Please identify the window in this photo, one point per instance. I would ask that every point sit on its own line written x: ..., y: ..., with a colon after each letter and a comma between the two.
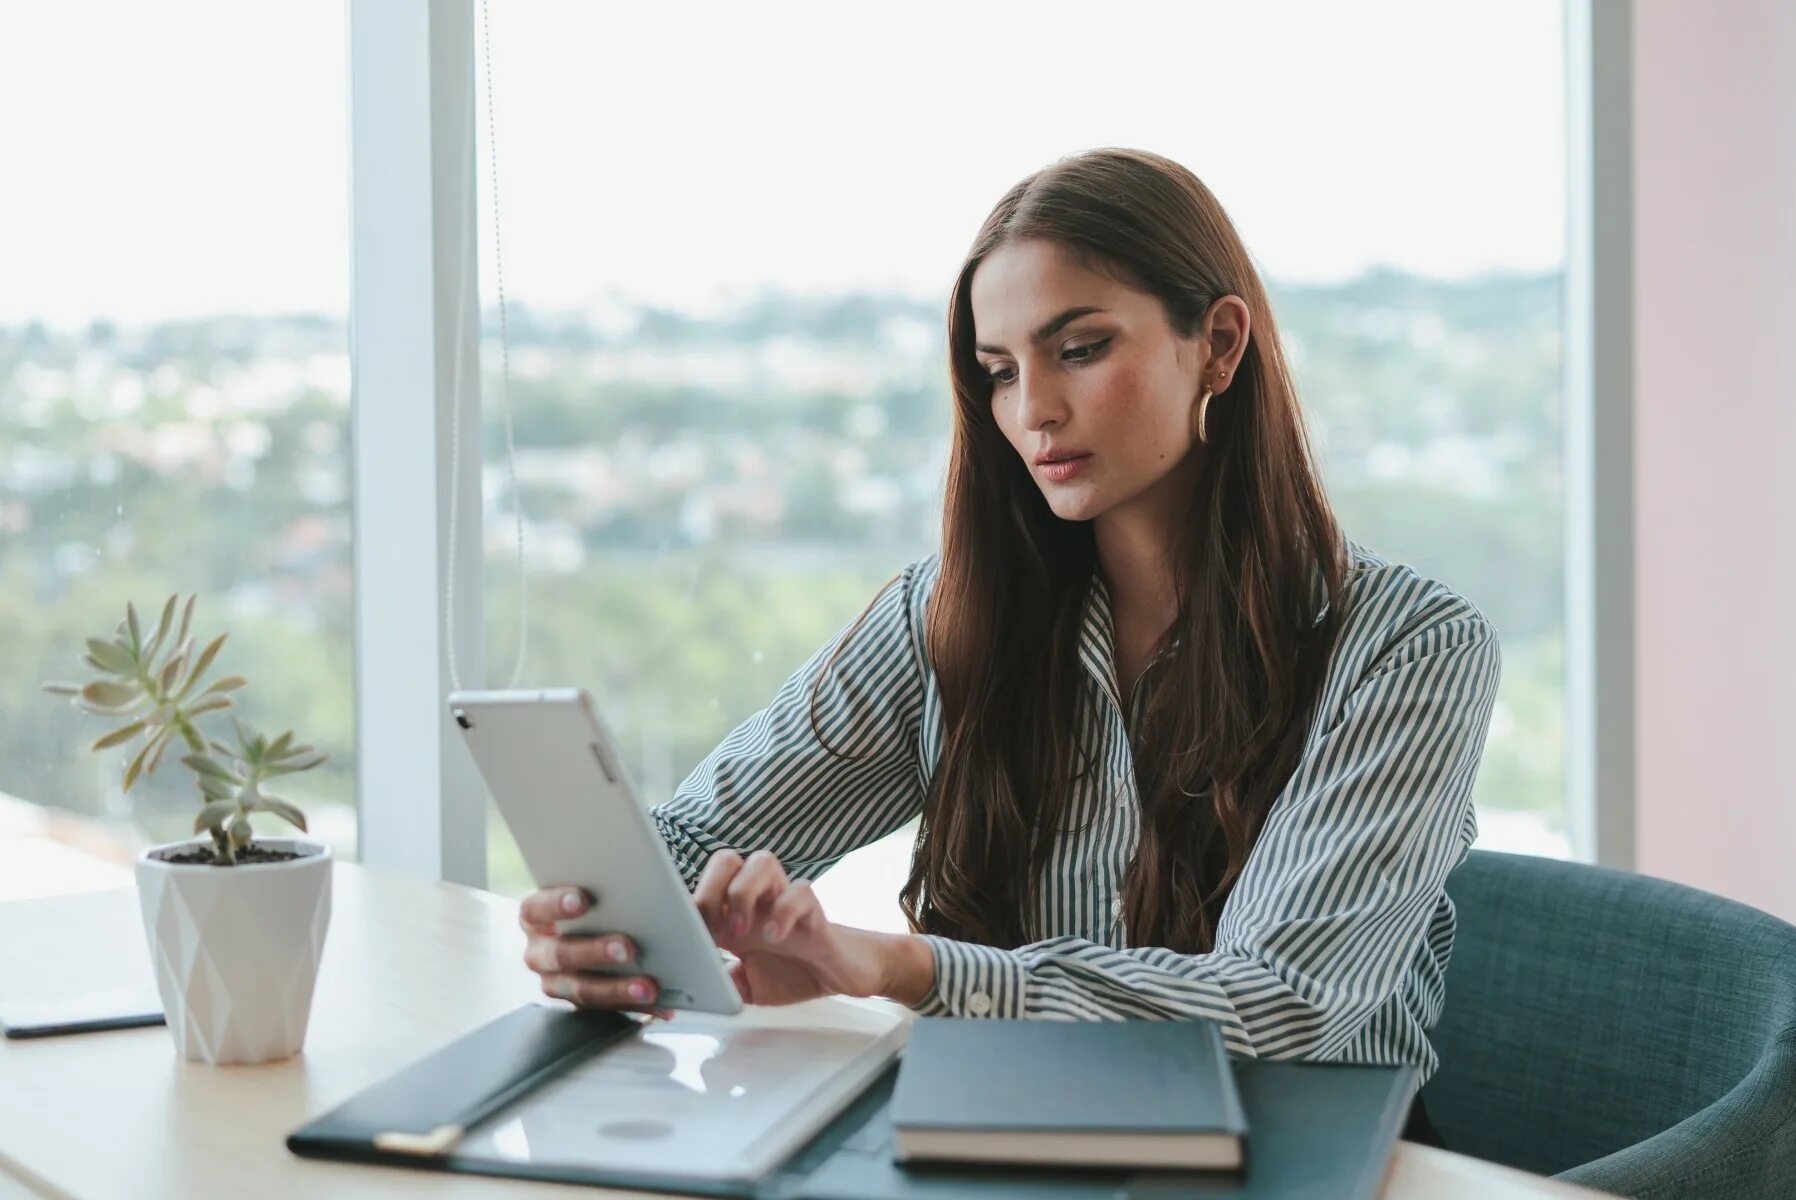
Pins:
x: 174, y: 411
x: 726, y: 262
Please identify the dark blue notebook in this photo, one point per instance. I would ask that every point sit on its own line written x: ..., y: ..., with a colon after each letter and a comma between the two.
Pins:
x: 1137, y: 1093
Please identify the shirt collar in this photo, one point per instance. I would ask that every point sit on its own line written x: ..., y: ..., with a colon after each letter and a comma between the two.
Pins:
x: 1097, y: 630
x: 1097, y: 637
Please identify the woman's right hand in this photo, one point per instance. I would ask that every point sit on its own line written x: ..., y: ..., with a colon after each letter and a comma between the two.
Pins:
x: 564, y: 960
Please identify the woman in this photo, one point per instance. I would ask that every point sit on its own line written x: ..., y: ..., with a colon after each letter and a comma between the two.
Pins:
x: 1179, y: 748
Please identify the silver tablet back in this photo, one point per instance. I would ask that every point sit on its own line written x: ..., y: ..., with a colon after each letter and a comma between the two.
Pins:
x: 553, y: 768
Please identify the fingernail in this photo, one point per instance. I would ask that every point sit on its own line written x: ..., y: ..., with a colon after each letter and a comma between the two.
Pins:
x: 571, y: 902
x: 617, y: 952
x: 639, y: 990
x: 769, y: 933
x: 738, y: 923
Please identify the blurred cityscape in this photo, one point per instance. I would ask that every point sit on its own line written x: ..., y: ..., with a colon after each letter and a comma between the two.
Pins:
x: 703, y: 500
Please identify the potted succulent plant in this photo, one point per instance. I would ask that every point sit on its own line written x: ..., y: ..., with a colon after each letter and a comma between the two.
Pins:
x: 235, y: 922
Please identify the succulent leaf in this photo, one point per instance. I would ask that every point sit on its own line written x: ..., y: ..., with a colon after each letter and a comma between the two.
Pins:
x: 216, y: 789
x: 209, y: 704
x: 292, y: 766
x: 112, y: 657
x: 284, y: 809
x: 161, y: 741
x: 122, y: 734
x: 104, y: 693
x: 136, y: 767
x: 186, y: 619
x: 206, y: 765
x: 201, y: 663
x: 162, y: 624
x: 214, y: 814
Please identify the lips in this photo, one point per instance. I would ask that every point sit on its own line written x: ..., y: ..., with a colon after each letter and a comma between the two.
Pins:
x: 1062, y: 469
x: 1056, y: 456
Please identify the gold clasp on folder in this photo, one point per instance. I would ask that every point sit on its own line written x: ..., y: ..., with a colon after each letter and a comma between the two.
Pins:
x: 440, y: 1140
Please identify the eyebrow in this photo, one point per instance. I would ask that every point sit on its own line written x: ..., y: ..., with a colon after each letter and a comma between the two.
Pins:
x: 1048, y: 330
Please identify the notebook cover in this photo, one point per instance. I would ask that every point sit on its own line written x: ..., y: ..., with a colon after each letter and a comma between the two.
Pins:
x: 1137, y: 1076
x: 458, y: 1085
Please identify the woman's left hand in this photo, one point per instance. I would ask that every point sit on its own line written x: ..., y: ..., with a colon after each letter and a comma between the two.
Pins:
x: 789, y: 950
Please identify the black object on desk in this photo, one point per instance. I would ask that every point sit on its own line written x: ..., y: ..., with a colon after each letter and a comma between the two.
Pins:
x: 22, y: 1019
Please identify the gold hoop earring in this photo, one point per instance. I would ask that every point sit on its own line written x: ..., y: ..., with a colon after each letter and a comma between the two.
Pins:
x: 1204, y: 404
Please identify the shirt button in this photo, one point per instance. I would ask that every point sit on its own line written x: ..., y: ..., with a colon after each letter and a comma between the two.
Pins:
x: 1116, y: 907
x: 979, y: 1004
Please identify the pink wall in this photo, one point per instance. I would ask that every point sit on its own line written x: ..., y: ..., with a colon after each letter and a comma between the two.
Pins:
x: 1715, y: 378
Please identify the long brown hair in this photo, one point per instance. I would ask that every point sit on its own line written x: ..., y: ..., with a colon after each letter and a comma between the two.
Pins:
x: 1226, y: 707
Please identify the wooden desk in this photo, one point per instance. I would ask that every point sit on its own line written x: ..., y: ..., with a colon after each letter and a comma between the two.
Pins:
x: 408, y: 965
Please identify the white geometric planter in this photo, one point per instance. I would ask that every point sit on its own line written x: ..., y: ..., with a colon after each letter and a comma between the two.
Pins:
x: 236, y: 949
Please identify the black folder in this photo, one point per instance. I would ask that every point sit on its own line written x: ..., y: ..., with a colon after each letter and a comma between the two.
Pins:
x: 1319, y: 1131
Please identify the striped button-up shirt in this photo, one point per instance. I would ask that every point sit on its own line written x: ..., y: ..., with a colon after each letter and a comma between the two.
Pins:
x: 1333, y: 943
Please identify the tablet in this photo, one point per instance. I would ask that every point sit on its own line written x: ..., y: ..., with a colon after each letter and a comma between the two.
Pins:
x: 555, y: 773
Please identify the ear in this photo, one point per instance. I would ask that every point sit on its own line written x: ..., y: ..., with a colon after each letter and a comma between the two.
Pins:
x: 1227, y: 324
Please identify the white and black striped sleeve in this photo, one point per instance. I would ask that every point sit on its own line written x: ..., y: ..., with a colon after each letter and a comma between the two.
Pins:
x: 772, y: 785
x: 1336, y: 896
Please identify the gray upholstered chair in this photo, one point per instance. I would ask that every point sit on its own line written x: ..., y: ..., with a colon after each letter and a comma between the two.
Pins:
x: 1618, y: 1031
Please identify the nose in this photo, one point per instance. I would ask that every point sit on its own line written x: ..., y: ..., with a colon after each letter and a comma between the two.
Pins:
x: 1039, y: 405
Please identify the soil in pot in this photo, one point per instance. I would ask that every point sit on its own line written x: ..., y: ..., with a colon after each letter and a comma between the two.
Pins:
x: 205, y: 856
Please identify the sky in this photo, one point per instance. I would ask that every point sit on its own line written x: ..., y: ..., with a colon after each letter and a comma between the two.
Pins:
x: 190, y: 157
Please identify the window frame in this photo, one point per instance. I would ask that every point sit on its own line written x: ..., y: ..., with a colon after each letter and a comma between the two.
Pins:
x: 420, y: 802
x: 1599, y: 502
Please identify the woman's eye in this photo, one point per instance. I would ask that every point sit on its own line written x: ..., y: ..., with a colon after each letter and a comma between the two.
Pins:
x: 1090, y: 352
